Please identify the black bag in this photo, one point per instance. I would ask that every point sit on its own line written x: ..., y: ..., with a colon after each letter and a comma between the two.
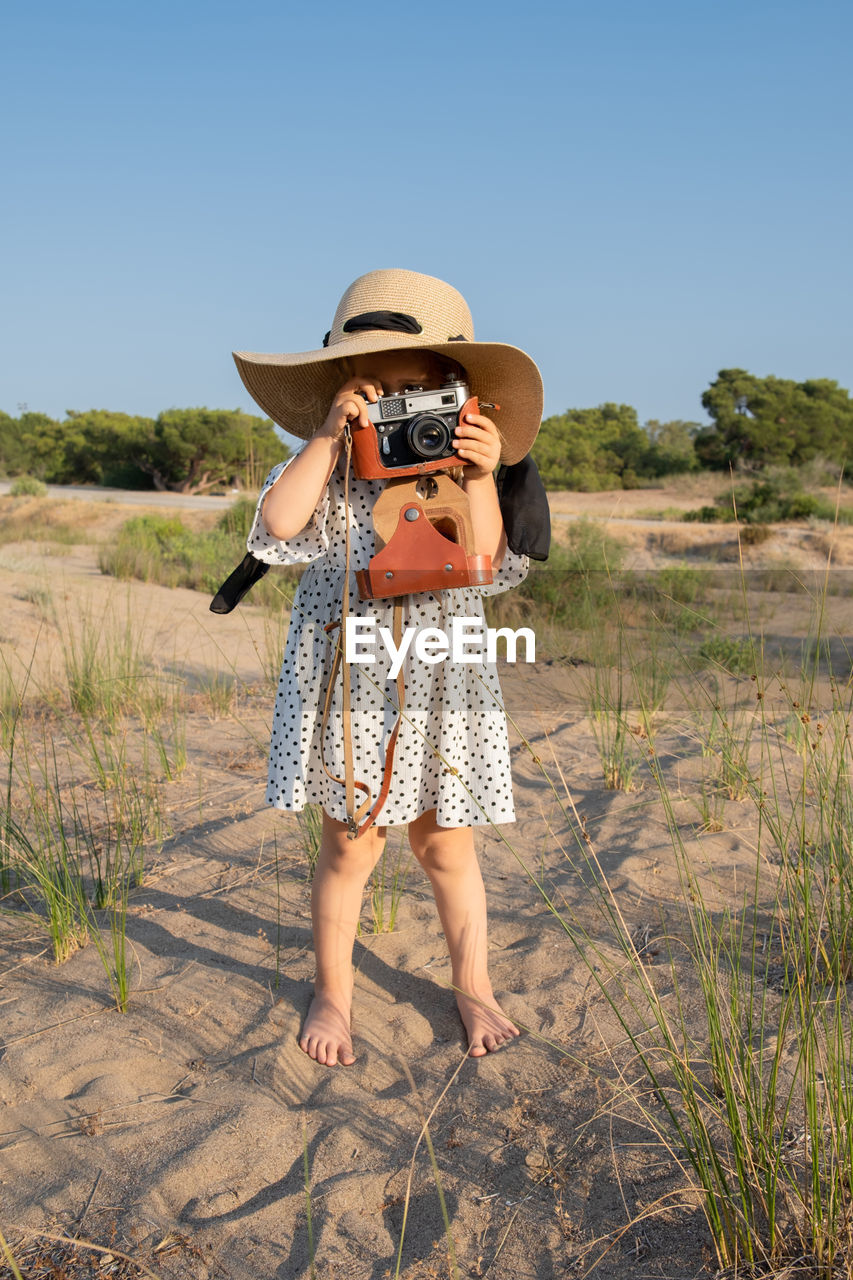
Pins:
x: 525, y: 510
x: 248, y: 572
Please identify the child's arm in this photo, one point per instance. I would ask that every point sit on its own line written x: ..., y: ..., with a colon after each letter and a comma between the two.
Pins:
x: 479, y: 446
x: 290, y: 502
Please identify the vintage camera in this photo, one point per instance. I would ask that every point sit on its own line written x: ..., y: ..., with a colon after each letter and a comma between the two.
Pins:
x: 414, y: 431
x: 422, y: 522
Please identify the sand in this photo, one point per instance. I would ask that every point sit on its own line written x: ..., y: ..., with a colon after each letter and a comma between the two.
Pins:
x: 178, y: 1131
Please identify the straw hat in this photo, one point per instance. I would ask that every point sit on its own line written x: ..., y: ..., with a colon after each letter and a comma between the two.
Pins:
x: 391, y: 311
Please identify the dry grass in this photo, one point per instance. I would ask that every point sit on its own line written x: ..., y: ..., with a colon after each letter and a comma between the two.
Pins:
x: 697, y: 543
x: 75, y: 520
x: 685, y: 492
x: 835, y: 542
x: 52, y: 1257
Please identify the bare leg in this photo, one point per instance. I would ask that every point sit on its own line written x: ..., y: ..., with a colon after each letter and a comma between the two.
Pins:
x: 447, y: 855
x: 339, y: 878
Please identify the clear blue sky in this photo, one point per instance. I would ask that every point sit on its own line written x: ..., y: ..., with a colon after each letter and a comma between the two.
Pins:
x: 637, y: 194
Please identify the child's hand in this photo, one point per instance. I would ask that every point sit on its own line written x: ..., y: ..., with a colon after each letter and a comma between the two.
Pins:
x: 349, y: 406
x: 478, y: 445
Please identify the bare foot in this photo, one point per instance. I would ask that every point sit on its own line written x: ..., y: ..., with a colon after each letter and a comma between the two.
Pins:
x: 487, y: 1026
x: 326, y: 1034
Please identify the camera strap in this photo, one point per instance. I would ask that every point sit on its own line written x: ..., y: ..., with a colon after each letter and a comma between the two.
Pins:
x: 350, y: 783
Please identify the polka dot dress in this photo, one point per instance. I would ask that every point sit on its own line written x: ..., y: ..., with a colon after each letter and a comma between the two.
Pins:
x: 452, y: 753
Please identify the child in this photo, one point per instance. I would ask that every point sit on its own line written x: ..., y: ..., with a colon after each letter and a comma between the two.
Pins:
x: 392, y: 330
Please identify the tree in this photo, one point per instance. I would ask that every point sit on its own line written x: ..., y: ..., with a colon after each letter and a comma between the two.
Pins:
x: 12, y: 459
x: 672, y: 446
x: 100, y: 448
x: 40, y: 445
x: 190, y: 450
x: 593, y: 449
x: 758, y: 421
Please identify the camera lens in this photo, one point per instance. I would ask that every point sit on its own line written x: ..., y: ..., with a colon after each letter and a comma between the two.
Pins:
x: 429, y: 436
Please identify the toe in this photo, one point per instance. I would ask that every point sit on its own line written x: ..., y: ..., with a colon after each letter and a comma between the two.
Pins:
x: 328, y: 1053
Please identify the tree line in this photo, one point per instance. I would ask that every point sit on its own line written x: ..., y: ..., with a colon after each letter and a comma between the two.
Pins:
x: 755, y: 422
x: 185, y: 450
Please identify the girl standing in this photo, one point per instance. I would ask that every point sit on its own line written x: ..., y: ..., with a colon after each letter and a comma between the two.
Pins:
x: 393, y: 330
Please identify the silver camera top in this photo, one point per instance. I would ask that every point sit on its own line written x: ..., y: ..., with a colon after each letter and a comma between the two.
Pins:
x: 388, y: 410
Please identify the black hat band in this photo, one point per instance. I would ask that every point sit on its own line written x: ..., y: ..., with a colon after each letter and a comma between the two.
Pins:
x: 396, y: 321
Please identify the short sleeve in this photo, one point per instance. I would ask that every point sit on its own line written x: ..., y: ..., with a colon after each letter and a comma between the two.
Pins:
x: 309, y: 544
x: 513, y: 570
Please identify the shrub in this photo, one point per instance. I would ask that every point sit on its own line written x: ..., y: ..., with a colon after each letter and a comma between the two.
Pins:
x: 753, y: 535
x: 769, y: 499
x: 162, y: 549
x: 681, y: 583
x: 28, y: 487
x: 734, y: 655
x: 707, y: 515
x: 238, y: 519
x: 576, y: 581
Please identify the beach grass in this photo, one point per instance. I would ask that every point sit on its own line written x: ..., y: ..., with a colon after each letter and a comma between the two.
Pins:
x: 387, y: 885
x: 755, y: 1109
x: 607, y: 705
x: 163, y: 549
x: 310, y: 823
x: 28, y: 518
x: 83, y: 804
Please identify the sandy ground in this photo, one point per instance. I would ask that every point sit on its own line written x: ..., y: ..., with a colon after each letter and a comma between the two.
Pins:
x: 178, y: 1131
x: 647, y: 523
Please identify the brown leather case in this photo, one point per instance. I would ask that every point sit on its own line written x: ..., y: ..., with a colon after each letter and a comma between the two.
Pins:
x: 432, y: 561
x: 445, y: 502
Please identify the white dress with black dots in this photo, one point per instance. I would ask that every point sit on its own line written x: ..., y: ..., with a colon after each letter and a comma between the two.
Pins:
x: 452, y: 753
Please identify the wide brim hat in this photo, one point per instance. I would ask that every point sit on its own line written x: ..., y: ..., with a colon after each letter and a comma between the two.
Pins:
x: 396, y: 310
